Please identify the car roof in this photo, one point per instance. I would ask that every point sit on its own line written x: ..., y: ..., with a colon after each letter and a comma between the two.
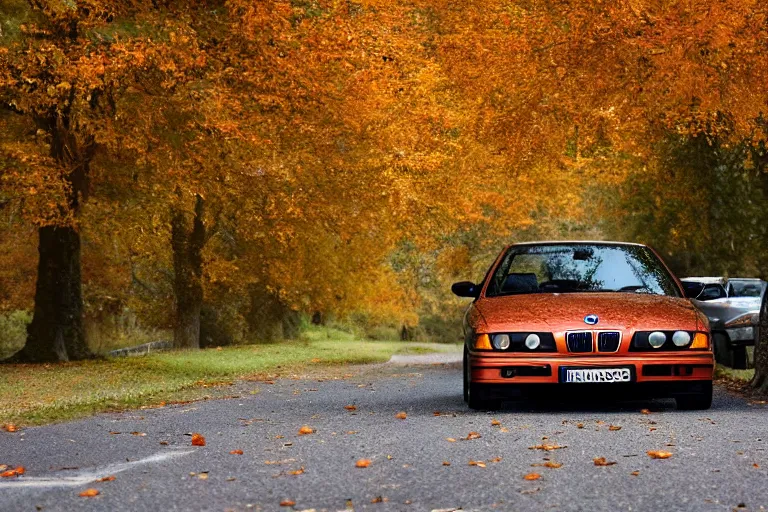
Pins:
x: 574, y: 242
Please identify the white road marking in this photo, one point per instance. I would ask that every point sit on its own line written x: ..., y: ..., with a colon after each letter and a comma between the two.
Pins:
x: 74, y: 480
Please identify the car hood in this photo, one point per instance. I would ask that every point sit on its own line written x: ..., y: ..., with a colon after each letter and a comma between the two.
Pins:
x: 566, y: 311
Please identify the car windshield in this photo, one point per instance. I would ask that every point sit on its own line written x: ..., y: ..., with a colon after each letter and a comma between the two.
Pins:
x: 570, y: 268
x: 745, y: 288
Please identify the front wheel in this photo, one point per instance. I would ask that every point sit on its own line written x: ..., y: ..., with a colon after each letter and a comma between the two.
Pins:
x: 478, y: 400
x: 698, y: 400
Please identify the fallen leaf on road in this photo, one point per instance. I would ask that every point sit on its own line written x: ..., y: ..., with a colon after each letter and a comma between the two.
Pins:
x: 532, y: 476
x: 495, y: 423
x: 352, y: 432
x: 530, y: 491
x: 546, y: 447
x: 299, y: 471
x: 645, y: 411
x: 436, y: 413
x: 379, y: 499
x: 287, y: 503
x: 635, y: 473
x: 446, y: 463
x: 306, y: 430
x: 10, y: 427
x: 140, y: 434
x: 106, y: 479
x: 401, y: 415
x: 472, y: 435
x: 601, y: 461
x: 164, y: 443
x: 13, y: 472
x: 659, y: 454
x: 477, y: 463
x: 756, y: 466
x: 203, y: 475
x: 236, y: 452
x: 450, y: 439
x: 614, y: 428
x: 495, y: 459
x: 651, y: 429
x: 198, y: 440
x: 363, y: 463
x: 503, y: 429
x: 548, y: 464
x: 89, y: 493
x: 350, y: 407
x: 579, y: 425
x: 115, y: 433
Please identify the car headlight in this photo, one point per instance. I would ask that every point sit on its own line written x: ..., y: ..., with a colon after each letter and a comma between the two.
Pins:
x: 532, y: 341
x: 681, y: 338
x: 745, y: 320
x: 741, y: 333
x: 501, y: 341
x: 656, y: 339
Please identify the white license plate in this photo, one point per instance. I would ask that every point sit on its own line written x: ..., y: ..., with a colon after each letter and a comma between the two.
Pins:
x: 595, y: 375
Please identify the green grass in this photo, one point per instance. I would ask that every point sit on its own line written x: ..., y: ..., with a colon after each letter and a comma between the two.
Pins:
x: 37, y: 394
x: 729, y: 373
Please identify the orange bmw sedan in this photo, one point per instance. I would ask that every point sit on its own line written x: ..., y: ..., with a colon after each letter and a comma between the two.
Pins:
x: 583, y: 317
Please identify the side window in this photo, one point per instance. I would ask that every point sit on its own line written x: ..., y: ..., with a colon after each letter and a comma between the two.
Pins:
x: 711, y: 292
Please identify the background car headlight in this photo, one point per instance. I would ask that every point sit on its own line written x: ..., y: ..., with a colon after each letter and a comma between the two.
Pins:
x: 741, y: 333
x: 501, y: 341
x: 656, y: 339
x: 681, y: 338
x: 532, y: 341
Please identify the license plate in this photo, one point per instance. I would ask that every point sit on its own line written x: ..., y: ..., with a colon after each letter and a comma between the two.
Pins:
x: 597, y: 375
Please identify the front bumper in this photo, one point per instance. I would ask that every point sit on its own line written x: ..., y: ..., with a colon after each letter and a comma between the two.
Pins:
x: 656, y: 368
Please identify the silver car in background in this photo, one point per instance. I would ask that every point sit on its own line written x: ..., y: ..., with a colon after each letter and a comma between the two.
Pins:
x: 733, y: 308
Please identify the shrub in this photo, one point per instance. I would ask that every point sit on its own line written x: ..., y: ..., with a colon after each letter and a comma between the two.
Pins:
x: 13, y: 331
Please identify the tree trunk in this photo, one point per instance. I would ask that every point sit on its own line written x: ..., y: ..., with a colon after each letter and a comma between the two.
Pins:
x: 760, y: 380
x: 56, y: 332
x: 187, y: 240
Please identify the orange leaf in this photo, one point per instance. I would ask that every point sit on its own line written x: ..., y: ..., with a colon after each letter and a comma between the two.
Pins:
x: 579, y: 425
x: 756, y: 466
x: 477, y: 463
x: 546, y: 447
x: 236, y: 452
x: 198, y: 440
x: 614, y: 428
x: 659, y: 454
x: 10, y: 427
x: 635, y: 473
x: 299, y: 471
x: 89, y: 493
x: 450, y: 439
x: 446, y: 463
x: 548, y: 464
x: 306, y: 430
x: 350, y: 407
x: 107, y: 479
x: 601, y: 461
x: 645, y: 411
x: 472, y: 435
x: 363, y: 463
x: 401, y: 415
x: 287, y: 503
x: 532, y: 476
x: 139, y: 434
x: 13, y: 472
x: 495, y: 423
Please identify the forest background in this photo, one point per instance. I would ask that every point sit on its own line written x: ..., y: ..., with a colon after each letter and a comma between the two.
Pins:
x: 227, y: 172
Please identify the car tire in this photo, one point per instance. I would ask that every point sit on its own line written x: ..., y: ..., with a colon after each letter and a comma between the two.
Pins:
x: 698, y: 400
x: 723, y: 350
x: 465, y: 376
x: 478, y: 401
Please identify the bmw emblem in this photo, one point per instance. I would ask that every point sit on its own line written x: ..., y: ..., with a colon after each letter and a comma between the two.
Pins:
x: 591, y: 319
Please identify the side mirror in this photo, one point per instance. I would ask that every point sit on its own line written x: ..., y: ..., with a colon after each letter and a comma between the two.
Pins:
x: 466, y: 289
x: 693, y: 290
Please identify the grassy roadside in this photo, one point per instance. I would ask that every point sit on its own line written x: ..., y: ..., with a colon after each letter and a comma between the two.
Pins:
x: 37, y: 394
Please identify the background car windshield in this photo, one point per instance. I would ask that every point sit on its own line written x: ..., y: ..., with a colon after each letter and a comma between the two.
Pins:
x: 581, y: 268
x: 745, y: 288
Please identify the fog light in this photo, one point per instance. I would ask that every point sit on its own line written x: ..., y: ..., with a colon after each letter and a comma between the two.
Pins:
x: 657, y: 339
x: 501, y: 341
x: 681, y: 338
x: 532, y: 341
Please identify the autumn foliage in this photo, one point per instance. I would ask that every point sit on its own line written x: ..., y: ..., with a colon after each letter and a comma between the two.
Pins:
x: 219, y: 169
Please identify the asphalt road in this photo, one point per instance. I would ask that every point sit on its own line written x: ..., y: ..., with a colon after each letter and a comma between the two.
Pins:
x: 712, y: 466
